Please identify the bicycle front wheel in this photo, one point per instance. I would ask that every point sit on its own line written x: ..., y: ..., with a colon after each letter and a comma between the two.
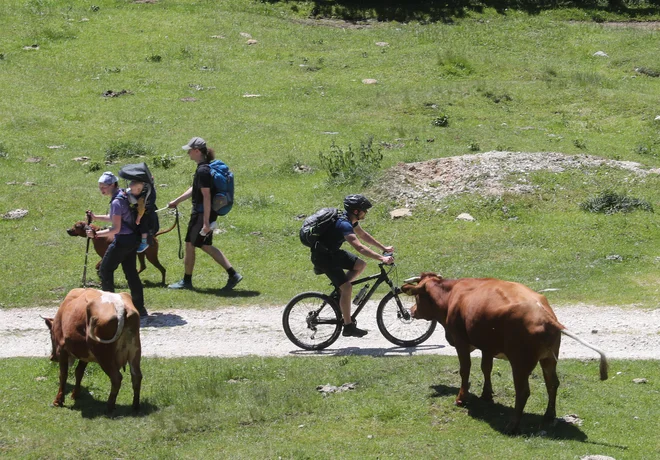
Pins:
x: 312, y: 321
x: 397, y: 324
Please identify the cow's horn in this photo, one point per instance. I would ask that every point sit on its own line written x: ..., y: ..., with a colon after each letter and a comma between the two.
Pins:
x: 414, y: 279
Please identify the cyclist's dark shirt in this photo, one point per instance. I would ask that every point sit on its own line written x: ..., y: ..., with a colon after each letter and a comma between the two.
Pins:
x: 335, y: 236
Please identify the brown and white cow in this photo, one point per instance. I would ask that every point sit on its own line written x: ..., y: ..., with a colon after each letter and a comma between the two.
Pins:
x: 502, y: 319
x: 97, y: 326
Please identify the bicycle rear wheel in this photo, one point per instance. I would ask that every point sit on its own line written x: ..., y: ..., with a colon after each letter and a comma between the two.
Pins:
x: 398, y: 326
x: 312, y: 321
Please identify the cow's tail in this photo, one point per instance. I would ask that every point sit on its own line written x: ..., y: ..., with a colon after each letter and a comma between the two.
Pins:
x: 121, y: 318
x: 603, y: 358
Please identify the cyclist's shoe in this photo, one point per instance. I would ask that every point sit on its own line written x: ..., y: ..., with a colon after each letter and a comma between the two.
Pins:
x: 351, y: 330
x: 182, y: 284
x: 232, y: 282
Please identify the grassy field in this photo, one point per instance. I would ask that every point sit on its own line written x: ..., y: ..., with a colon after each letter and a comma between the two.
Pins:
x: 401, y: 407
x: 509, y: 81
x: 502, y: 79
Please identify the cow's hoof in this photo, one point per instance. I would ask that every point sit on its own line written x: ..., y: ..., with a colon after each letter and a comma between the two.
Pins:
x: 57, y: 403
x: 487, y: 398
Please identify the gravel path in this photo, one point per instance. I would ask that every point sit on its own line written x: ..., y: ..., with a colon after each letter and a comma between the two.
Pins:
x: 622, y: 333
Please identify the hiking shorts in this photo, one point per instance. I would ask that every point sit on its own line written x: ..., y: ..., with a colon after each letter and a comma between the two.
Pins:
x: 333, y: 264
x: 194, y: 227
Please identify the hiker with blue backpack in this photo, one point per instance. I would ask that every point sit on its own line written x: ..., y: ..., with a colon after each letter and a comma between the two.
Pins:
x: 212, y: 194
x: 324, y: 232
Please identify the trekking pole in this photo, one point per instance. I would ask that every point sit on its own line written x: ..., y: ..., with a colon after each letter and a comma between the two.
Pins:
x: 84, y: 275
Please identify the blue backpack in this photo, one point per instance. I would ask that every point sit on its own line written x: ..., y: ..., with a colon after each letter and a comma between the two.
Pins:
x: 223, y: 185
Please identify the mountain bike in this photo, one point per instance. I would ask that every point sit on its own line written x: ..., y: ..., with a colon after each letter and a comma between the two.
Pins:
x: 313, y: 321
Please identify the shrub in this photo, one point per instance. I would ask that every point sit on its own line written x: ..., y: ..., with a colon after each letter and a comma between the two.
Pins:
x: 163, y: 161
x: 347, y: 166
x: 441, y: 121
x: 125, y: 149
x: 94, y: 166
x: 4, y: 153
x: 609, y: 202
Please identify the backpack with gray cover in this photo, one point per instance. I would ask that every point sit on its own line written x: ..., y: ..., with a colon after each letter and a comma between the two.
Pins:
x: 316, y: 225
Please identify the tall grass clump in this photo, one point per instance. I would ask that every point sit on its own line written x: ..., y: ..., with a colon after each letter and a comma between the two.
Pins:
x: 126, y: 149
x: 609, y: 202
x: 348, y: 166
x: 453, y: 64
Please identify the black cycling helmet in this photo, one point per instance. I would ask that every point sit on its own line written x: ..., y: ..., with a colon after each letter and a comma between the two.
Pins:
x: 359, y: 202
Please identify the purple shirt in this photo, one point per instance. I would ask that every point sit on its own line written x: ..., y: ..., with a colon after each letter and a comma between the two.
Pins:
x: 119, y: 206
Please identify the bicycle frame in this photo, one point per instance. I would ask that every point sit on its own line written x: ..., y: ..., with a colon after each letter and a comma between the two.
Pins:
x: 382, y: 277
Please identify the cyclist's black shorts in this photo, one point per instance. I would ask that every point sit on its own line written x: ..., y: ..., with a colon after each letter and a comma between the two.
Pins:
x: 332, y: 264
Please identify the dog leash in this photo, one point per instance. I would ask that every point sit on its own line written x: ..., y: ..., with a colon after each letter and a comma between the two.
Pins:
x: 84, y: 275
x: 178, y: 230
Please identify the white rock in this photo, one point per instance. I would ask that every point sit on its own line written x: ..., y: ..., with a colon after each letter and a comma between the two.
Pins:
x: 600, y: 54
x: 401, y: 212
x: 465, y: 216
x: 657, y: 118
x: 369, y: 81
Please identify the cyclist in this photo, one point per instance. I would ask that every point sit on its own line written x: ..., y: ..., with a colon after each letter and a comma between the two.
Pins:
x: 331, y: 260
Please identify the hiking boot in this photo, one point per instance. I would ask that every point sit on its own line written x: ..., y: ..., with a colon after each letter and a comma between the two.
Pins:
x: 181, y: 285
x: 351, y: 330
x: 142, y: 247
x: 232, y: 282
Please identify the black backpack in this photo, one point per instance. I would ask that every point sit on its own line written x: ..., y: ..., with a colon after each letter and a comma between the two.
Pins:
x: 316, y: 225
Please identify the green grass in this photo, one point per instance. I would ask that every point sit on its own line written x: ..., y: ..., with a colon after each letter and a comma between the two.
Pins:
x: 402, y: 407
x: 504, y: 81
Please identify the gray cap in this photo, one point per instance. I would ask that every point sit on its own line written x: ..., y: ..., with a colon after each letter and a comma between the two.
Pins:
x: 108, y: 178
x: 195, y: 143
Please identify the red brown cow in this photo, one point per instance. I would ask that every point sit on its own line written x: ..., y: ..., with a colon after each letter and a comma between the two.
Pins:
x: 97, y: 326
x: 502, y: 319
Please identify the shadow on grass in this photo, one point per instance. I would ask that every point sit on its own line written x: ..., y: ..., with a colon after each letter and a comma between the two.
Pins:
x: 448, y: 10
x: 91, y: 408
x: 359, y: 351
x: 231, y: 293
x: 498, y: 415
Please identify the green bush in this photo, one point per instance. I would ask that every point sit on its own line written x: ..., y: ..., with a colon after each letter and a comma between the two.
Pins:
x: 347, y: 166
x: 163, y: 161
x: 126, y: 149
x: 94, y: 166
x: 609, y: 202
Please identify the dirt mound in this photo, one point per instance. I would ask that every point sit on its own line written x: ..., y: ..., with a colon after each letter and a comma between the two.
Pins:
x: 490, y: 173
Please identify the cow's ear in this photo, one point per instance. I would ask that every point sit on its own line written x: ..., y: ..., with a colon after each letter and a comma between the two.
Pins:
x: 49, y: 323
x: 412, y: 289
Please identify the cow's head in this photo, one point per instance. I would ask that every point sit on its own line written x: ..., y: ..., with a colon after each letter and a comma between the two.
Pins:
x: 54, y: 354
x: 430, y: 302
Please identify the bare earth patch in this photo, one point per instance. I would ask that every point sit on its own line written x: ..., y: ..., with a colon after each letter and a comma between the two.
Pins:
x: 490, y: 173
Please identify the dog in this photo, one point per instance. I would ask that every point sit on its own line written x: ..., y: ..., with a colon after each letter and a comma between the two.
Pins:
x: 102, y: 242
